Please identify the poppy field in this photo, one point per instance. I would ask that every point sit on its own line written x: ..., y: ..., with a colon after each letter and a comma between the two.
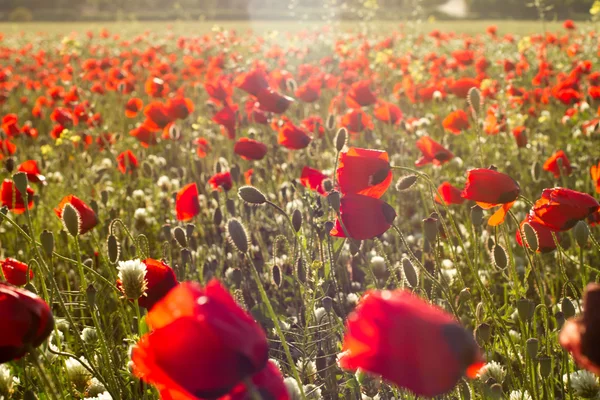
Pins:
x: 321, y: 213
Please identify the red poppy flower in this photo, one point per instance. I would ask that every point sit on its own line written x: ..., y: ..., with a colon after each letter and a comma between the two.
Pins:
x: 560, y: 209
x: 364, y: 171
x: 310, y: 91
x: 227, y: 118
x: 63, y: 116
x: 7, y: 148
x: 202, y: 344
x: 34, y: 175
x: 360, y: 95
x: 461, y: 87
x: 569, y: 25
x: 314, y: 124
x: 356, y: 121
x: 144, y: 135
x: 187, y: 205
x: 520, y: 136
x: 432, y: 151
x: 10, y: 125
x: 544, y: 235
x: 252, y: 82
x: 248, y: 176
x: 221, y: 180
x: 313, y: 179
x: 464, y: 57
x: 268, y: 382
x: 595, y: 174
x: 27, y: 322
x: 158, y: 116
x: 271, y: 101
x: 12, y: 198
x: 456, y: 122
x: 579, y: 336
x: 219, y: 89
x: 127, y: 161
x: 133, y: 107
x: 250, y: 149
x: 179, y: 107
x: 293, y: 137
x: 160, y: 279
x: 203, y: 147
x: 388, y: 112
x: 87, y: 216
x: 364, y: 217
x: 156, y: 87
x: 551, y: 164
x: 449, y: 194
x: 15, y: 271
x: 406, y: 340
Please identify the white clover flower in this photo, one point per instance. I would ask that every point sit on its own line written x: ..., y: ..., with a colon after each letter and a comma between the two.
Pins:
x: 89, y: 335
x: 78, y: 375
x: 164, y: 183
x: 95, y: 389
x: 519, y: 395
x: 6, y: 381
x: 378, y: 264
x: 292, y: 388
x: 494, y: 371
x: 307, y: 368
x: 352, y: 299
x: 138, y: 194
x: 585, y: 384
x: 132, y: 274
x: 312, y: 392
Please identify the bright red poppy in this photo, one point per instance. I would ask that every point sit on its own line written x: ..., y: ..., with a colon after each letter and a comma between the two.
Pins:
x: 187, y: 204
x: 127, y: 161
x: 432, y: 152
x: 221, y: 181
x: 252, y: 82
x: 13, y: 199
x: 179, y: 107
x: 456, y: 122
x: 157, y: 115
x: 595, y: 174
x: 449, y: 194
x: 364, y: 217
x: 569, y: 25
x: 552, y: 164
x: 360, y: 95
x: 364, y: 171
x: 250, y: 149
x: 133, y: 107
x: 268, y: 382
x: 30, y: 167
x: 356, y: 121
x: 219, y: 89
x: 559, y: 209
x: 202, y: 344
x: 144, y: 135
x: 406, y: 340
x: 313, y: 179
x: 545, y: 237
x: 271, y: 101
x: 27, y: 322
x: 15, y: 271
x: 293, y: 137
x: 461, y: 87
x: 160, y: 279
x: 388, y: 112
x: 87, y: 216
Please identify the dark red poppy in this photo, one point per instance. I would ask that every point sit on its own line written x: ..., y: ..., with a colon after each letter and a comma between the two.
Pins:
x: 187, y: 204
x: 202, y: 344
x: 519, y: 132
x: 133, y: 107
x: 456, y: 122
x: 449, y: 194
x: 252, y: 82
x: 360, y: 95
x: 356, y: 121
x: 203, y: 147
x: 160, y: 279
x: 274, y: 102
x: 15, y: 271
x: 250, y: 149
x: 293, y: 137
x: 595, y: 174
x: 388, y: 112
x: 551, y: 164
x: 364, y: 217
x: 27, y: 322
x: 227, y: 118
x: 313, y: 179
x: 405, y: 339
x: 559, y: 209
x: 127, y: 161
x: 221, y: 181
x: 12, y: 198
x: 179, y: 107
x: 544, y: 235
x: 34, y: 175
x: 268, y: 383
x: 364, y: 171
x: 87, y: 216
x: 432, y: 151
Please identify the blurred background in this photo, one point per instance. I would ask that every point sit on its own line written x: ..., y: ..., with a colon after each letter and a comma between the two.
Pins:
x: 310, y: 10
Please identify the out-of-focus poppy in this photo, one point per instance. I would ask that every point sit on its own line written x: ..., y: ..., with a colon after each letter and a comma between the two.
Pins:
x: 552, y: 164
x: 179, y: 107
x: 406, y: 340
x: 545, y: 238
x: 364, y: 171
x: 221, y: 181
x: 364, y: 217
x: 595, y: 174
x: 569, y: 25
x: 387, y: 112
x: 519, y: 132
x: 202, y: 344
x: 248, y: 176
x: 313, y: 179
x: 30, y: 167
x: 268, y: 382
x: 12, y: 198
x: 271, y: 101
x: 461, y: 87
x: 449, y: 194
x: 250, y: 149
x: 127, y: 161
x: 293, y: 137
x: 87, y: 217
x: 356, y: 121
x: 456, y: 122
x: 160, y: 279
x: 579, y: 336
x: 145, y: 136
x: 432, y: 152
x: 310, y: 91
x: 360, y: 95
x: 202, y: 147
x: 227, y: 118
x: 559, y: 209
x: 314, y: 125
x: 133, y: 107
x: 252, y: 82
x: 158, y: 116
x: 219, y: 89
x: 156, y: 87
x: 15, y: 271
x: 187, y: 205
x: 10, y: 125
x: 27, y: 322
x: 63, y: 116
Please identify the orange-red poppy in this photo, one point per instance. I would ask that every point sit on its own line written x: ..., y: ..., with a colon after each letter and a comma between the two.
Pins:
x: 456, y: 122
x: 364, y: 171
x: 449, y: 194
x: 15, y: 271
x: 250, y: 149
x: 127, y: 161
x: 187, y: 204
x: 87, y: 217
x: 552, y: 164
x: 313, y: 179
x: 133, y: 107
x: 559, y: 209
x: 432, y: 152
x: 30, y: 167
x: 293, y: 137
x: 13, y: 199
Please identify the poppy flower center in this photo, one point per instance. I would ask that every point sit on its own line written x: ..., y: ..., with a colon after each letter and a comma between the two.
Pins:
x: 442, y: 156
x: 379, y: 176
x: 388, y: 212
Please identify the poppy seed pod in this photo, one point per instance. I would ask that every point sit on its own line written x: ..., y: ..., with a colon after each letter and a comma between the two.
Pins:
x: 180, y: 236
x: 330, y: 122
x: 531, y: 237
x: 410, y: 274
x: 276, y: 275
x: 532, y: 347
x: 406, y: 182
x: 334, y: 200
x: 475, y: 100
x: 499, y: 256
x: 581, y: 233
x: 545, y: 366
x: 476, y: 215
x: 251, y: 195
x: 567, y: 308
x: 20, y: 180
x: 297, y: 220
x: 525, y: 309
x: 430, y: 229
x: 47, y: 241
x: 236, y: 233
x: 71, y: 220
x: 9, y: 164
x: 341, y: 138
